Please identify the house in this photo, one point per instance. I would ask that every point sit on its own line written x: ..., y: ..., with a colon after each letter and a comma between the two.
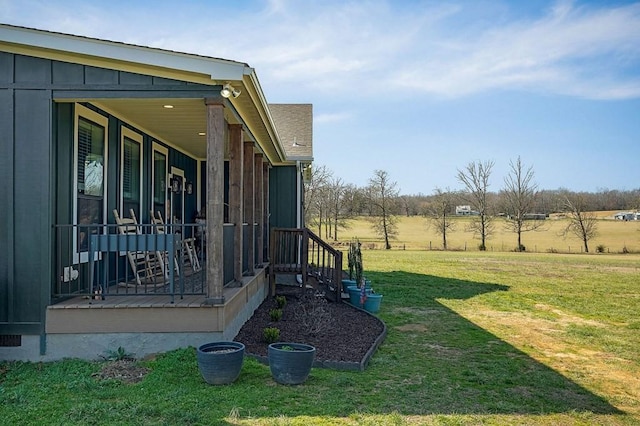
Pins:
x: 120, y: 162
x: 626, y: 216
x: 465, y: 211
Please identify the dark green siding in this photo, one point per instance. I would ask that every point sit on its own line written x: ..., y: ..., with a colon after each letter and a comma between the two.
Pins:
x: 282, y: 197
x: 7, y: 302
x: 36, y: 168
x: 25, y: 217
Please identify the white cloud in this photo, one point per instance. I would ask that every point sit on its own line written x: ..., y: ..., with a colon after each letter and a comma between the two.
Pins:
x: 572, y: 50
x: 368, y: 47
x: 331, y: 117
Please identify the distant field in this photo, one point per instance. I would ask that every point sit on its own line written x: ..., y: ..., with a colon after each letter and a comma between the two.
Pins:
x: 414, y: 233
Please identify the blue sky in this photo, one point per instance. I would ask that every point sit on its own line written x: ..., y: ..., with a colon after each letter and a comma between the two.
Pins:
x: 416, y: 88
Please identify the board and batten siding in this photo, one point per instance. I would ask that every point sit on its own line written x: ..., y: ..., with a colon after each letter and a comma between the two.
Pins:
x: 36, y: 168
x: 282, y: 197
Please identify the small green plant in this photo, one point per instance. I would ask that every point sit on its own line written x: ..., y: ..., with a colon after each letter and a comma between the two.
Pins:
x: 271, y: 334
x: 287, y: 348
x: 117, y: 355
x: 275, y: 314
x: 281, y: 301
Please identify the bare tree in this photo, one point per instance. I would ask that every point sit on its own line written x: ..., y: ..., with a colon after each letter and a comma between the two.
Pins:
x: 383, y: 195
x: 519, y: 199
x: 336, y: 194
x: 475, y: 178
x: 440, y: 212
x: 315, y: 203
x: 582, y: 224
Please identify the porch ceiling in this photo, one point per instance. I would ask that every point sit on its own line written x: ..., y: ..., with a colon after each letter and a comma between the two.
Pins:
x: 184, y: 125
x: 179, y: 126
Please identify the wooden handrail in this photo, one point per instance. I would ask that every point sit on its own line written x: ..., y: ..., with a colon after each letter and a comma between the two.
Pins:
x: 300, y: 251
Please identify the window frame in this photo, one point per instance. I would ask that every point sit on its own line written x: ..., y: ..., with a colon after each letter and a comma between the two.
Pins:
x: 82, y: 112
x: 164, y: 151
x: 126, y: 133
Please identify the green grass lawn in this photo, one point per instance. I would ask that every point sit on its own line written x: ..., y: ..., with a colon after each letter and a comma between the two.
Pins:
x: 473, y: 338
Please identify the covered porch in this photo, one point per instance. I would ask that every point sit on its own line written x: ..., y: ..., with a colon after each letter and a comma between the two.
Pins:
x: 99, y: 132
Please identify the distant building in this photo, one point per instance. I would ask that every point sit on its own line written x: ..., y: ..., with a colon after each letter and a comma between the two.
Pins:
x: 466, y: 211
x: 627, y: 216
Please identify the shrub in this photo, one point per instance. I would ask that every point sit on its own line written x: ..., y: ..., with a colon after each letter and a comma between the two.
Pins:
x: 281, y: 301
x: 117, y: 355
x: 271, y: 334
x: 275, y: 314
x: 600, y: 248
x: 314, y: 314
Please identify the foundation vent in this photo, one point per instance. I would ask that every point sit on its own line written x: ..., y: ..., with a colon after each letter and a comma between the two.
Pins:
x: 10, y: 340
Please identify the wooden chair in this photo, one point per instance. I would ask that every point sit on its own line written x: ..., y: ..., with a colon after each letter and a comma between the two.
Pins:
x: 188, y: 245
x: 146, y: 266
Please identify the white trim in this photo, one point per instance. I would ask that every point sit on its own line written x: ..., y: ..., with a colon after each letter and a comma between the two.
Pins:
x: 216, y: 69
x: 164, y: 151
x: 138, y: 138
x: 196, y: 186
x: 177, y: 172
x: 82, y: 111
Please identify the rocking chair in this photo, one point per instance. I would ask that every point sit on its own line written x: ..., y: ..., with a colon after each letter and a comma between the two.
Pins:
x: 146, y: 266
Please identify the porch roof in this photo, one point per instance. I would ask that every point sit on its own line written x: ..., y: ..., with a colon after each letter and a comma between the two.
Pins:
x: 250, y: 108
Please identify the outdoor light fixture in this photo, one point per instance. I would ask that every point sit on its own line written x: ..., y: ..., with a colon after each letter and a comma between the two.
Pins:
x: 228, y: 91
x: 176, y: 185
x: 189, y: 188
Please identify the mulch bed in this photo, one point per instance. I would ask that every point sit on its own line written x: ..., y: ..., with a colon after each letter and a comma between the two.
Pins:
x: 344, y: 337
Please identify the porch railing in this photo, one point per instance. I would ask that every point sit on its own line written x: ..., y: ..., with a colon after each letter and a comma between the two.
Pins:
x: 97, y: 261
x: 299, y: 251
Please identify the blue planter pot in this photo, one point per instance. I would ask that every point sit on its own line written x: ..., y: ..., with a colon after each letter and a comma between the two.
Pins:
x: 290, y: 363
x: 220, y: 362
x: 346, y: 284
x: 372, y: 304
x: 354, y: 295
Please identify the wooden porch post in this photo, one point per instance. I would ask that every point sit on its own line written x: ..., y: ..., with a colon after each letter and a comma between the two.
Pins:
x: 259, y: 203
x: 215, y: 201
x: 236, y: 200
x: 249, y: 207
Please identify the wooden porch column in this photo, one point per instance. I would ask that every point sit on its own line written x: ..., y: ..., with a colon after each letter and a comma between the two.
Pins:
x: 249, y: 207
x: 236, y: 200
x: 259, y: 210
x: 265, y: 204
x: 215, y: 201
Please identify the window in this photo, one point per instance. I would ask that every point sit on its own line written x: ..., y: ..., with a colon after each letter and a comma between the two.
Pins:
x: 131, y: 173
x: 160, y: 155
x: 90, y: 153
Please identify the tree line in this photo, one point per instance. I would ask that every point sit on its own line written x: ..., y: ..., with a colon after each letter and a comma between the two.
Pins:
x: 330, y: 203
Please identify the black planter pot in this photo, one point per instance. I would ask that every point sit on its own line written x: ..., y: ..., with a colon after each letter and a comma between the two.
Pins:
x: 290, y: 363
x: 220, y: 362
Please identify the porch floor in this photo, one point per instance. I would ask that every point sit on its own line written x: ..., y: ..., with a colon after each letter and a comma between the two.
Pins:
x: 137, y: 301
